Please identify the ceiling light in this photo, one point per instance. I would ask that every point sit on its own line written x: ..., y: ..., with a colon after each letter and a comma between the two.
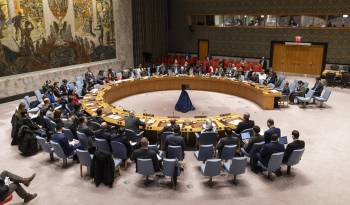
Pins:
x: 345, y: 15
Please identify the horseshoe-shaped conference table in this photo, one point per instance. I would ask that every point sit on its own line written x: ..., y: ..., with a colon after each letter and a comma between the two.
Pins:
x: 109, y: 93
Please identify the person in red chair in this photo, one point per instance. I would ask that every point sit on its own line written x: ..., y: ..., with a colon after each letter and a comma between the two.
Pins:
x: 10, y: 182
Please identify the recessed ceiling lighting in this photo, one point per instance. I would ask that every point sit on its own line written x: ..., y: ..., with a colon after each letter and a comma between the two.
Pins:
x: 345, y: 16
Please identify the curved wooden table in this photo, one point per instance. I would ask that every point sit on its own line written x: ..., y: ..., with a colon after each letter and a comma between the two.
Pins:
x: 112, y: 92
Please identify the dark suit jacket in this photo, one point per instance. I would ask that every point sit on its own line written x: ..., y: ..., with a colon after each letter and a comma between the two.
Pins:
x: 263, y: 63
x: 296, y: 144
x: 244, y: 125
x: 4, y: 190
x: 252, y: 140
x: 267, y: 150
x: 228, y: 140
x: 268, y: 133
x: 124, y: 140
x: 146, y: 154
x: 61, y: 139
x: 175, y: 140
x: 133, y: 123
x: 318, y: 88
x: 86, y: 130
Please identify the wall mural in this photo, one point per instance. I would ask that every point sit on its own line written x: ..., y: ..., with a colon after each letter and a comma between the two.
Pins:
x: 43, y: 34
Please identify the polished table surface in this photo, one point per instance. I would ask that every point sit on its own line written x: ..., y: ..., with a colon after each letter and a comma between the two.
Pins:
x: 109, y: 93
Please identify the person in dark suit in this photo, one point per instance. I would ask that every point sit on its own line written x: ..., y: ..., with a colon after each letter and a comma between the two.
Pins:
x: 15, y: 186
x: 133, y: 123
x: 229, y: 139
x: 270, y: 148
x: 318, y: 87
x: 61, y: 139
x: 256, y: 138
x: 245, y: 124
x: 263, y: 63
x: 296, y: 144
x: 176, y: 140
x: 169, y: 128
x: 145, y: 153
x: 272, y: 130
x: 103, y: 132
x: 98, y: 118
x: 83, y: 128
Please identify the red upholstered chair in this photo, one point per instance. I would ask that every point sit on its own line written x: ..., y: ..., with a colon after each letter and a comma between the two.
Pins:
x: 7, y: 199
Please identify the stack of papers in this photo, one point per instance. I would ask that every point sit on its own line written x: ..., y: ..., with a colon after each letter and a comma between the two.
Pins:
x: 235, y: 122
x: 114, y: 117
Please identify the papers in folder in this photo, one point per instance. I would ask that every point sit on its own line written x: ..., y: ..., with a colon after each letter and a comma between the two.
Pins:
x: 235, y: 122
x: 114, y: 117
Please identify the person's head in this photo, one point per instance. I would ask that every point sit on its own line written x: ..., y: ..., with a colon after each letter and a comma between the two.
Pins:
x: 274, y: 137
x: 99, y: 112
x: 256, y: 130
x: 295, y: 134
x: 228, y: 131
x: 286, y: 85
x: 21, y: 107
x: 64, y: 81
x: 46, y: 101
x: 59, y: 128
x: 144, y: 143
x: 173, y: 122
x: 132, y: 114
x: 57, y: 114
x: 82, y: 120
x: 300, y: 82
x: 104, y: 125
x: 208, y: 125
x: 270, y: 123
x: 246, y: 116
x: 177, y: 129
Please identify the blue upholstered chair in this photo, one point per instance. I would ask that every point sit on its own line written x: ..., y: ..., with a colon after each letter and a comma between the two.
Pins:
x: 324, y: 97
x: 211, y: 168
x: 68, y: 133
x: 174, y: 152
x: 45, y: 146
x: 228, y: 152
x: 169, y: 168
x: 102, y: 145
x: 60, y: 153
x: 119, y: 151
x: 274, y: 163
x: 294, y: 159
x: 307, y: 99
x: 84, y: 160
x: 235, y: 167
x: 145, y: 168
x: 83, y: 139
x: 204, y: 153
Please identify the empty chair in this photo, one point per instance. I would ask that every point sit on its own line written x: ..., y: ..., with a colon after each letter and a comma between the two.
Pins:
x: 163, y: 139
x: 307, y: 99
x: 68, y: 133
x: 83, y: 139
x: 207, y: 138
x: 236, y: 166
x: 28, y: 100
x: 49, y: 125
x: 102, y: 145
x: 211, y: 168
x: 84, y: 160
x: 204, y: 153
x: 294, y: 159
x: 132, y: 135
x: 79, y: 78
x: 228, y: 152
x: 256, y: 146
x: 274, y: 163
x: 174, y: 152
x: 171, y: 169
x: 38, y: 95
x: 324, y: 97
x: 281, y: 86
x: 45, y: 146
x: 60, y: 153
x: 145, y: 167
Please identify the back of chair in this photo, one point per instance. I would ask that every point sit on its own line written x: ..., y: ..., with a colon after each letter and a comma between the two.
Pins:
x: 283, y: 83
x: 153, y: 147
x: 43, y: 144
x: 131, y: 134
x: 275, y: 161
x: 84, y: 157
x: 174, y: 152
x: 310, y: 94
x: 38, y: 95
x: 228, y: 152
x: 58, y: 150
x: 238, y: 165
x: 145, y: 167
x: 205, y: 152
x: 292, y: 86
x: 212, y: 167
x: 93, y: 125
x: 84, y: 141
x: 250, y: 131
x: 27, y: 99
x: 256, y: 147
x: 169, y: 166
x: 102, y: 145
x: 295, y: 157
x: 68, y: 133
x: 326, y: 94
x: 119, y: 150
x: 208, y: 138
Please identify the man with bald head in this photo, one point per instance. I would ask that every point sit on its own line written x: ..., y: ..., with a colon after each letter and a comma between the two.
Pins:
x: 245, y: 124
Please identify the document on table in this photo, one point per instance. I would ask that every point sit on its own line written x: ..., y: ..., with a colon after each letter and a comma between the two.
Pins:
x: 235, y: 122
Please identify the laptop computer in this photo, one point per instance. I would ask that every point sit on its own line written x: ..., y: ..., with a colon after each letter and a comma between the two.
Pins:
x: 245, y: 135
x: 283, y: 140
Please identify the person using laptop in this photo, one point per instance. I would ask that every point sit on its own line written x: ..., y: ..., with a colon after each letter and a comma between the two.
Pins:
x: 255, y: 138
x: 296, y: 144
x: 230, y: 139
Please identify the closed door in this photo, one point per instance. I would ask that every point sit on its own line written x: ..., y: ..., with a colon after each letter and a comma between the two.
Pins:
x: 203, y: 49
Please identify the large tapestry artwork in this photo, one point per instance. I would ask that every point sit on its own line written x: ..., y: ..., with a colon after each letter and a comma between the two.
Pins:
x: 43, y: 34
